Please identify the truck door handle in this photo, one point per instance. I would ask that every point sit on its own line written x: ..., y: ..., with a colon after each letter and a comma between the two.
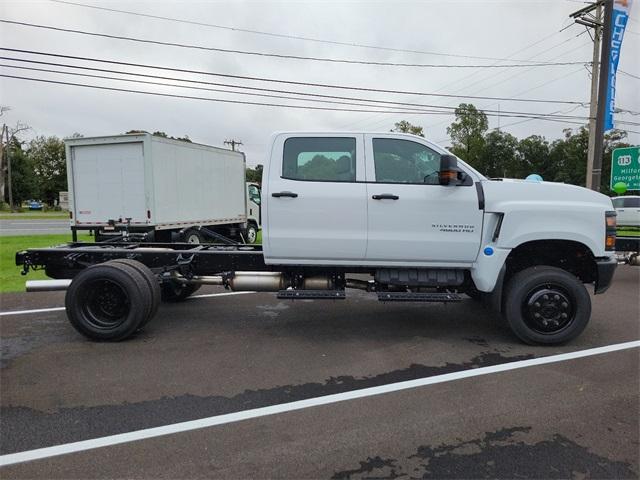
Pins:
x: 385, y: 196
x: 284, y: 194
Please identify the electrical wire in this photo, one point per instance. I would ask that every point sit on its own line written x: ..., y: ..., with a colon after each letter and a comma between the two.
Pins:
x: 288, y: 57
x: 242, y: 102
x: 290, y: 82
x: 379, y: 103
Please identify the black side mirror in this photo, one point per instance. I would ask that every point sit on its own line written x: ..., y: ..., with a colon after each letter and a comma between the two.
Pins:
x: 449, y: 171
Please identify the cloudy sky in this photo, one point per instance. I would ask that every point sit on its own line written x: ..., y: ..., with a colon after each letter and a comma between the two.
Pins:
x: 451, y: 32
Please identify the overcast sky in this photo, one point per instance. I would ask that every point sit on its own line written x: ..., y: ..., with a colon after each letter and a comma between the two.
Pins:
x: 516, y: 29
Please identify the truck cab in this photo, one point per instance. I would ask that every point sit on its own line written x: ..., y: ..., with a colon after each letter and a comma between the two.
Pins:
x: 254, y: 212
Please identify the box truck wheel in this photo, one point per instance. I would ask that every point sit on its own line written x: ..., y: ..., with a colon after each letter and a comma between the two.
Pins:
x: 152, y: 283
x: 251, y: 234
x: 177, y: 292
x: 193, y: 236
x: 546, y: 305
x: 108, y: 301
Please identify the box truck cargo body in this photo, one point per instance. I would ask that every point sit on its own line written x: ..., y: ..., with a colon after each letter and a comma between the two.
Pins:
x: 154, y: 185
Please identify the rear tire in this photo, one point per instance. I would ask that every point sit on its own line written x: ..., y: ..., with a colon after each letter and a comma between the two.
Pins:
x: 152, y: 283
x: 108, y: 301
x: 546, y: 305
x: 177, y: 292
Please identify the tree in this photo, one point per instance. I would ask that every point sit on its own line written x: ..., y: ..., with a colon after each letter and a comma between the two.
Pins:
x: 158, y: 133
x: 254, y: 174
x: 50, y: 166
x: 405, y: 127
x: 533, y: 157
x: 498, y: 157
x: 467, y: 133
x: 24, y: 182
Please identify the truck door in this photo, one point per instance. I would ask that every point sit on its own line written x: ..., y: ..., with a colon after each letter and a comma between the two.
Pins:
x: 315, y: 197
x: 411, y: 217
x: 254, y: 210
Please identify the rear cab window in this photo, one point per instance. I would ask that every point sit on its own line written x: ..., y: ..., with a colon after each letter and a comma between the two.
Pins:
x: 325, y: 159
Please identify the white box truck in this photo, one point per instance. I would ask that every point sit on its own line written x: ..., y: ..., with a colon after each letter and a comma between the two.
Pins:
x: 165, y: 190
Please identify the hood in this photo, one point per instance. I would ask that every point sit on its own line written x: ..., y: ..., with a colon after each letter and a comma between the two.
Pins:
x: 499, y: 193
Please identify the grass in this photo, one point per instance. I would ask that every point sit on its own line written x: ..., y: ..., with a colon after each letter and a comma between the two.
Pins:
x: 10, y: 278
x: 33, y: 215
x: 628, y: 232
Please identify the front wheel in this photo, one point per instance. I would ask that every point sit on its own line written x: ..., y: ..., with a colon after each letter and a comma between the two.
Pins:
x: 251, y: 234
x: 546, y: 305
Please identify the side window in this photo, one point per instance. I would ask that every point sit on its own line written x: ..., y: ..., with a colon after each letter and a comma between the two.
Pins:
x: 632, y: 202
x: 254, y: 194
x: 404, y: 161
x: 618, y: 202
x: 320, y: 159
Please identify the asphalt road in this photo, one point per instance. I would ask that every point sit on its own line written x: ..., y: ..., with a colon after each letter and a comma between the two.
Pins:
x: 32, y: 226
x: 216, y: 355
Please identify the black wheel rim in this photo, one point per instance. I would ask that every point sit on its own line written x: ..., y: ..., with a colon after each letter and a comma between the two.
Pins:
x: 548, y: 309
x: 105, y: 304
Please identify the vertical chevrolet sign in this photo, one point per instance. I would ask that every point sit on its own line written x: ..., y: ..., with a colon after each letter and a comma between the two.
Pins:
x: 619, y: 20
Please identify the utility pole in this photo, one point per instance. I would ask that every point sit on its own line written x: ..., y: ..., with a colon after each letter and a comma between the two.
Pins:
x: 591, y: 17
x: 233, y: 144
x: 593, y: 106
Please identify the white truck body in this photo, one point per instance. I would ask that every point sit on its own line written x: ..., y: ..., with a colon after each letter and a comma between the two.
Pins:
x: 153, y: 181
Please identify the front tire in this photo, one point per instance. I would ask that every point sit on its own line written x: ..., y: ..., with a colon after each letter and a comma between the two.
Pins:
x: 251, y: 234
x: 193, y: 236
x: 546, y: 305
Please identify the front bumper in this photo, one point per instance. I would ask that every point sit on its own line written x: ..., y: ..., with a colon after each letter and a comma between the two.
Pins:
x: 606, y: 267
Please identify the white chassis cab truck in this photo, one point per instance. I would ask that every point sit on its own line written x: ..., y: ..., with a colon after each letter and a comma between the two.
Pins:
x: 159, y: 189
x: 410, y: 220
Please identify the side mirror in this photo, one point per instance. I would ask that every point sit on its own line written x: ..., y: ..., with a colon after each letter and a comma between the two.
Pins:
x: 448, y: 174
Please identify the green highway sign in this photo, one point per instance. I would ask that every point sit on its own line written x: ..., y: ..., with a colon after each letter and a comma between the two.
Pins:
x: 625, y: 167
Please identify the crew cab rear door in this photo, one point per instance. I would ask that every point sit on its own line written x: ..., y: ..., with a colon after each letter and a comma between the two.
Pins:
x: 315, y: 197
x: 412, y: 218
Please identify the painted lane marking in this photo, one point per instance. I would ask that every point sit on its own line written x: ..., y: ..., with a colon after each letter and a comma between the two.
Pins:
x: 147, y: 433
x: 58, y: 309
x: 37, y: 310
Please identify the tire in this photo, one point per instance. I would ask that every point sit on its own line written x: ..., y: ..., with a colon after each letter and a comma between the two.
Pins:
x: 177, y: 292
x: 251, y: 234
x: 546, y: 306
x: 152, y: 283
x: 193, y: 236
x: 108, y: 302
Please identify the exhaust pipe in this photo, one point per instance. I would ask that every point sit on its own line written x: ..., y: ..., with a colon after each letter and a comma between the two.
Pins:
x: 47, y: 285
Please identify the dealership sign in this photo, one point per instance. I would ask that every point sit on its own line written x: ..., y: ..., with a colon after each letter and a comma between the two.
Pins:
x: 625, y: 167
x: 619, y: 19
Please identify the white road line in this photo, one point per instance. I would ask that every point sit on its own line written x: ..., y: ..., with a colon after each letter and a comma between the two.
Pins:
x: 58, y: 309
x: 84, y: 445
x: 37, y: 310
x: 207, y: 295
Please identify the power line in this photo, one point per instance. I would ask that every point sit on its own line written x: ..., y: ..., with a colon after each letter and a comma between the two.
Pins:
x: 242, y: 102
x: 283, y: 56
x: 290, y: 82
x: 367, y: 102
x: 277, y: 35
x: 629, y: 74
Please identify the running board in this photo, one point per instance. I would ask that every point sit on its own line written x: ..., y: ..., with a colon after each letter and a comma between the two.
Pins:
x: 418, y: 297
x: 312, y: 294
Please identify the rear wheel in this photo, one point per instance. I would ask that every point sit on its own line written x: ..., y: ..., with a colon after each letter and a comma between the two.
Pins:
x: 108, y: 301
x: 546, y: 305
x: 151, y: 281
x: 177, y: 292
